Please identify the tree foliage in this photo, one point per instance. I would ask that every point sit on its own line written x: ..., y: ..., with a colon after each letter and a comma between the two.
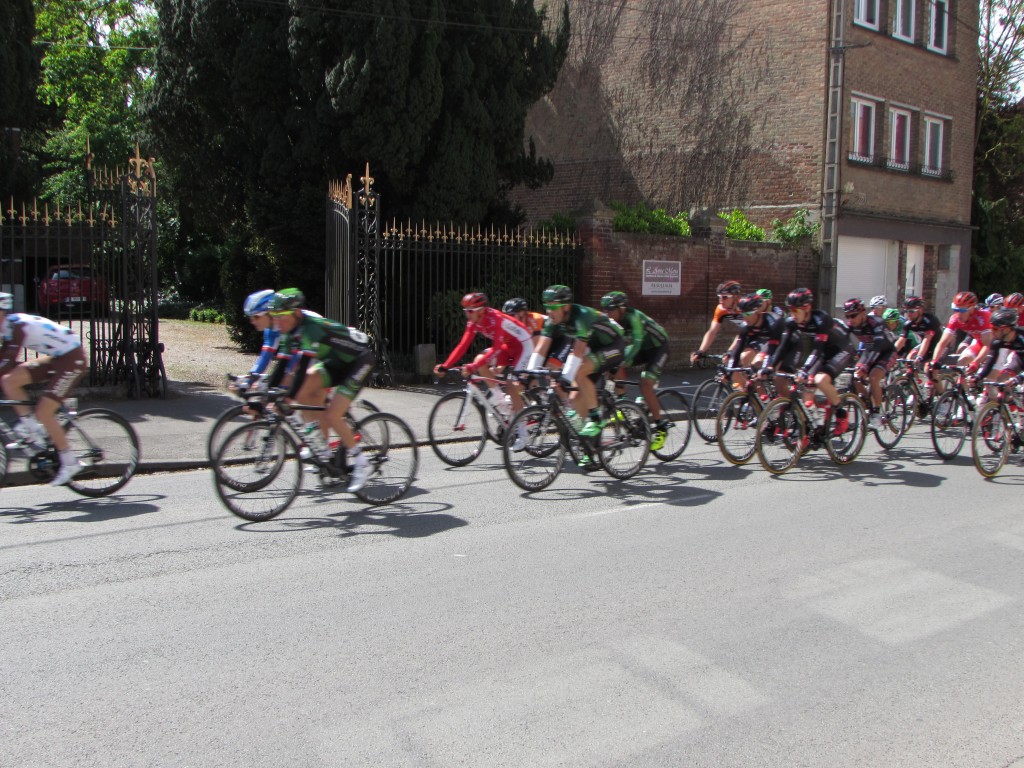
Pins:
x: 19, y: 70
x: 257, y: 105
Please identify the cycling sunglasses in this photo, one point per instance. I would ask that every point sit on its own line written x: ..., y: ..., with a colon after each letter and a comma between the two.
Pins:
x: 550, y: 307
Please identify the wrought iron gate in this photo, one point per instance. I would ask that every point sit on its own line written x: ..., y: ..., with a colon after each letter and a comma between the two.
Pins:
x: 401, y: 283
x: 94, y: 268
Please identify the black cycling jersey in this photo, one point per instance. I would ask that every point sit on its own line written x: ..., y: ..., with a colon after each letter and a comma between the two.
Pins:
x: 876, y: 341
x: 1014, y: 345
x: 828, y: 338
x: 764, y: 336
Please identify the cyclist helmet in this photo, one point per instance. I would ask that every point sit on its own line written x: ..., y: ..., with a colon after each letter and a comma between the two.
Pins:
x: 913, y: 302
x: 557, y: 294
x: 994, y: 300
x: 474, y: 301
x: 801, y: 297
x: 257, y: 303
x: 878, y: 301
x: 613, y: 300
x: 765, y: 294
x: 1014, y: 301
x: 891, y: 315
x: 965, y: 300
x: 6, y: 302
x: 287, y: 299
x: 750, y: 303
x: 512, y: 306
x: 853, y: 306
x: 1004, y: 317
x: 729, y: 288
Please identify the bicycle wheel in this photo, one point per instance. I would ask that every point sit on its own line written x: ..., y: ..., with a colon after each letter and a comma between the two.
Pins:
x: 456, y: 429
x: 991, y: 438
x: 4, y: 459
x: 950, y: 424
x: 537, y: 465
x: 625, y: 441
x: 707, y: 403
x: 846, y: 447
x: 108, y: 447
x: 895, y: 414
x: 737, y: 427
x: 389, y: 445
x: 781, y: 436
x: 675, y: 409
x: 230, y: 420
x: 910, y: 396
x: 257, y: 472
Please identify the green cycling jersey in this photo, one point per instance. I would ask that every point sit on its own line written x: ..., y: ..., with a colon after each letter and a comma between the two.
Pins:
x: 585, y: 324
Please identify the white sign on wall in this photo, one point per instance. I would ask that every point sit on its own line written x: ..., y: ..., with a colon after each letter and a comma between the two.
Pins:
x: 662, y: 278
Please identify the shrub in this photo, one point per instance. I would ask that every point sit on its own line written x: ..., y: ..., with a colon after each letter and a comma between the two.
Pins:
x: 637, y: 218
x: 794, y: 229
x: 206, y: 315
x: 740, y: 228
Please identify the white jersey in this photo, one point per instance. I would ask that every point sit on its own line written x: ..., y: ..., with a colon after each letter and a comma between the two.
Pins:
x: 39, y: 334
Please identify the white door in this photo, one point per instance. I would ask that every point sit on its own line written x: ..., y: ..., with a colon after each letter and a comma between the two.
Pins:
x: 914, y: 285
x: 860, y: 271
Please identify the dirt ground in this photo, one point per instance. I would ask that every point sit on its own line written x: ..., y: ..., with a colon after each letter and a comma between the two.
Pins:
x: 200, y: 353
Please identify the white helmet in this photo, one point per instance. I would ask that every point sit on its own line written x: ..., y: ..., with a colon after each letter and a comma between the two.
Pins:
x: 6, y: 302
x: 878, y: 301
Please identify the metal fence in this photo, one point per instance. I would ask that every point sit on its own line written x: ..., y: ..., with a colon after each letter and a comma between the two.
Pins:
x: 402, y: 283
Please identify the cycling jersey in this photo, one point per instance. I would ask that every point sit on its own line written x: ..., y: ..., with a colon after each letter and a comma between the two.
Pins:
x: 62, y: 363
x: 974, y: 326
x: 339, y: 354
x: 641, y: 333
x: 508, y: 337
x: 734, y: 316
x: 271, y: 342
x: 876, y: 342
x: 831, y: 348
x: 763, y: 336
x: 1015, y: 348
x: 585, y: 324
x: 534, y: 322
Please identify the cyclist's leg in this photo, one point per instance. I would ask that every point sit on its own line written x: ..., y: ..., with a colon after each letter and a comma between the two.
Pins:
x: 655, y: 360
x: 346, y: 379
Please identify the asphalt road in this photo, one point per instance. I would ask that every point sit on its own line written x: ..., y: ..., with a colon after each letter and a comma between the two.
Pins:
x: 699, y: 615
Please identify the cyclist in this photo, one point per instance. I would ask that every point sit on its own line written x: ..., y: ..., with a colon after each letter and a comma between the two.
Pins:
x: 647, y: 346
x: 877, y: 355
x: 994, y: 300
x: 1006, y: 337
x: 61, y: 363
x: 895, y: 322
x: 511, y: 345
x: 766, y: 294
x: 728, y: 297
x: 597, y: 347
x: 1014, y: 301
x: 831, y: 351
x: 973, y: 321
x: 534, y: 322
x: 878, y: 305
x: 331, y: 356
x: 758, y: 336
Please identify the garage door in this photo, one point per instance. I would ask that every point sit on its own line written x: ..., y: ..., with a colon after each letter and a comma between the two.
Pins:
x: 861, y: 268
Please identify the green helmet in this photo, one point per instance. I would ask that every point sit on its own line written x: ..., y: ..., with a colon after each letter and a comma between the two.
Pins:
x: 764, y: 293
x: 557, y: 294
x: 891, y: 314
x: 287, y: 298
x: 613, y: 300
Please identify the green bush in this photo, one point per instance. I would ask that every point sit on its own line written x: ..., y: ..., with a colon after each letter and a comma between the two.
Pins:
x: 637, y: 218
x: 740, y: 228
x: 794, y: 229
x: 206, y: 315
x: 562, y: 223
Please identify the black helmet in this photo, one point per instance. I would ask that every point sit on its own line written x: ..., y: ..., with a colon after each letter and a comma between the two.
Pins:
x: 853, y: 306
x: 801, y: 297
x: 512, y: 306
x: 289, y: 298
x: 557, y: 294
x: 1001, y: 318
x: 913, y: 302
x: 729, y: 288
x: 613, y: 300
x: 750, y: 303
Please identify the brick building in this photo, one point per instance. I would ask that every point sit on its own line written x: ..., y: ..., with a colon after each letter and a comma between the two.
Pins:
x: 688, y: 104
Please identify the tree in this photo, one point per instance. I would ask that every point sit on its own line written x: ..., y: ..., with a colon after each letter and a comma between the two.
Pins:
x: 19, y: 71
x: 998, y: 206
x: 257, y: 105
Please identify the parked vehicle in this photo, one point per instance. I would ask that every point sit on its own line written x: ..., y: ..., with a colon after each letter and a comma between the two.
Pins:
x: 72, y: 287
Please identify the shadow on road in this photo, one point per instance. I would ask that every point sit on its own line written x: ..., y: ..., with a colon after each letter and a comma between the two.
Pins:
x: 84, y: 510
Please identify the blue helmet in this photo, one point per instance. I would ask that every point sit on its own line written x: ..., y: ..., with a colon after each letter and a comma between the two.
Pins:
x: 258, y: 303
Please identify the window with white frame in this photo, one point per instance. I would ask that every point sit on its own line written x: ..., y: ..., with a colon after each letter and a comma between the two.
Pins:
x: 863, y: 149
x: 865, y: 13
x: 934, y: 140
x: 903, y: 20
x: 938, y: 25
x: 899, y: 139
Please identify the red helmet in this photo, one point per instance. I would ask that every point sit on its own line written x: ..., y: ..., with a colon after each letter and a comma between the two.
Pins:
x: 853, y: 306
x: 965, y: 300
x: 801, y: 297
x: 1014, y: 301
x: 474, y: 301
x: 729, y: 288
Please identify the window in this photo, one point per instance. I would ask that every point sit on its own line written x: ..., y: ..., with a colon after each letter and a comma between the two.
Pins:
x: 903, y: 20
x: 933, y: 146
x: 863, y: 131
x: 939, y: 21
x: 865, y: 13
x: 899, y: 139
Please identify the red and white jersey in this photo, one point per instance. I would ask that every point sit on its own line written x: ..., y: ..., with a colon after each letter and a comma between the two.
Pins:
x: 502, y: 330
x: 974, y: 326
x: 40, y: 334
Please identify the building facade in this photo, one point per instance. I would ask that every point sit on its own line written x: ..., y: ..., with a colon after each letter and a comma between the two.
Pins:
x: 861, y: 111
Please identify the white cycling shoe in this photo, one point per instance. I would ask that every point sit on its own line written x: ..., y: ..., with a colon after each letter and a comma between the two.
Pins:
x: 66, y: 473
x: 358, y: 477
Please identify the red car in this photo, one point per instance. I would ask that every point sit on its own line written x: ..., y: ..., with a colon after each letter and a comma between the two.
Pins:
x: 72, y: 287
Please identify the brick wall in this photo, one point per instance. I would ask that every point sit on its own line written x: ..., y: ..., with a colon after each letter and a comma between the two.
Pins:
x: 614, y: 261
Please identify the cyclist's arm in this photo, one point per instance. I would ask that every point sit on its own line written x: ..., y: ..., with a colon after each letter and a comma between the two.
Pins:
x: 636, y: 339
x: 709, y: 337
x: 461, y: 349
x: 271, y: 340
x: 985, y: 352
x: 944, y: 343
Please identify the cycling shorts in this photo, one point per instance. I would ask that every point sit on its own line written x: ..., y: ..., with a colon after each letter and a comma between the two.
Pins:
x: 1014, y: 362
x: 560, y: 348
x: 839, y: 362
x: 608, y: 358
x: 62, y: 372
x: 652, y: 360
x: 885, y: 362
x: 347, y: 378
